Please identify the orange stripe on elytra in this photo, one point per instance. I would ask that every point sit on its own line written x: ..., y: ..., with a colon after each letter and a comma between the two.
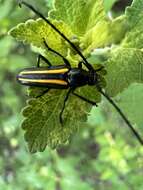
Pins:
x: 50, y: 81
x: 52, y: 71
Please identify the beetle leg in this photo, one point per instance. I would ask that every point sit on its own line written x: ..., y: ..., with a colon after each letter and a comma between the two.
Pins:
x: 44, y: 59
x: 57, y: 53
x: 85, y: 99
x: 65, y: 100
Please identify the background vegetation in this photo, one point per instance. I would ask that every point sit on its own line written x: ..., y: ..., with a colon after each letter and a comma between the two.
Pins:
x: 100, y: 156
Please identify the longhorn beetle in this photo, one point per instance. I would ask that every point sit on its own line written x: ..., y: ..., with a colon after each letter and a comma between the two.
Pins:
x: 64, y: 76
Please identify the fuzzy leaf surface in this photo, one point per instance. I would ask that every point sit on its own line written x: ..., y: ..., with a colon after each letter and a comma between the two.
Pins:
x: 105, y: 33
x: 87, y: 19
x: 41, y: 124
x: 125, y: 65
x: 36, y: 31
x: 124, y: 68
x: 80, y: 15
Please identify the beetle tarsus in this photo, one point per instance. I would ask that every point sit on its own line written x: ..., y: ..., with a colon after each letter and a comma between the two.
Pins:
x: 85, y: 99
x: 65, y: 100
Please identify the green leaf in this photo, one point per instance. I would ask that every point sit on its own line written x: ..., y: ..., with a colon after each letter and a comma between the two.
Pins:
x: 88, y: 20
x: 126, y: 61
x: 42, y: 118
x: 134, y: 17
x: 80, y: 15
x: 123, y: 68
x: 105, y: 33
x: 96, y: 30
x: 134, y: 13
x: 35, y: 32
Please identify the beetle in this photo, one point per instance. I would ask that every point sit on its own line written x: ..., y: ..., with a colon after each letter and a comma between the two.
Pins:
x: 59, y: 77
x: 66, y: 77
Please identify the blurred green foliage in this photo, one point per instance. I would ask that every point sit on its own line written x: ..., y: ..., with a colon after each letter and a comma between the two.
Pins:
x: 100, y: 156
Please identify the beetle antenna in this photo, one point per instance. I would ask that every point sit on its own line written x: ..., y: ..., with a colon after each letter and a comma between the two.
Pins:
x: 60, y: 33
x: 121, y: 114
